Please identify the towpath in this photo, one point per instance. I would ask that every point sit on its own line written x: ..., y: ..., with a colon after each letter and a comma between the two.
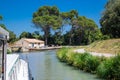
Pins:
x: 94, y: 53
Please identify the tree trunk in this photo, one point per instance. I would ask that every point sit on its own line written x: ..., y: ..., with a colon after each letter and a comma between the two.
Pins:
x: 45, y: 41
x: 71, y: 36
x: 46, y: 38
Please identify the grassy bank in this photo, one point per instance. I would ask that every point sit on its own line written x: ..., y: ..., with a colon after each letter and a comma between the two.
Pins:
x: 106, y: 68
x: 105, y: 46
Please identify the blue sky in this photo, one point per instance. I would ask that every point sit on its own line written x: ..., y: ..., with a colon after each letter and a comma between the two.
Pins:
x: 17, y: 14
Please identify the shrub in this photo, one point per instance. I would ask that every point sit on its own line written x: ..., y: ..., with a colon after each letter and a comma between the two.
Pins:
x: 86, y: 62
x: 70, y: 58
x: 61, y: 54
x: 77, y: 63
x: 91, y: 63
x: 83, y: 60
x: 105, y: 37
x: 110, y: 68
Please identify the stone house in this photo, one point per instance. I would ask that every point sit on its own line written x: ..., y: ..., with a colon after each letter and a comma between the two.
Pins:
x: 27, y: 44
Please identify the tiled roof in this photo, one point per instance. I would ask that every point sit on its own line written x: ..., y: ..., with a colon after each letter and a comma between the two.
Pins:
x: 33, y: 40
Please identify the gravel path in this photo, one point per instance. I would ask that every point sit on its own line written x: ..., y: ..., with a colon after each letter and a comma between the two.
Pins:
x: 94, y: 53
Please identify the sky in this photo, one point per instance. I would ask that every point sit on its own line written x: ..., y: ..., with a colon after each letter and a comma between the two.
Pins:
x: 17, y: 14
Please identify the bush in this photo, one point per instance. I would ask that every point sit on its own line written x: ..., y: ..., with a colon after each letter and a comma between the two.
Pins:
x: 105, y: 37
x: 70, y: 58
x: 110, y: 69
x: 84, y: 61
x: 77, y: 63
x: 91, y: 63
x: 61, y: 54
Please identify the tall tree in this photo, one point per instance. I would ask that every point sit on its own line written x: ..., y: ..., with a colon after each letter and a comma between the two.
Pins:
x: 47, y: 18
x: 110, y: 20
x: 68, y: 17
x: 73, y: 14
x: 84, y: 29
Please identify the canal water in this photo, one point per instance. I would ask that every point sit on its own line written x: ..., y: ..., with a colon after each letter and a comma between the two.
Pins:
x: 44, y: 65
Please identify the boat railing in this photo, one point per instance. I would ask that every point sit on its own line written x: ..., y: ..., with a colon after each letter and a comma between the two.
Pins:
x: 29, y: 71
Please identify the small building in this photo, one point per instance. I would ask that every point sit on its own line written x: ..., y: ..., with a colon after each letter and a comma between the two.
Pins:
x: 28, y: 44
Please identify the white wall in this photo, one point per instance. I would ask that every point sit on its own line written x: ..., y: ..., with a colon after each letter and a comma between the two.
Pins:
x: 36, y: 45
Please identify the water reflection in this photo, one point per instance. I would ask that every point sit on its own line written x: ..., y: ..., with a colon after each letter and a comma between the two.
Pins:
x: 45, y: 66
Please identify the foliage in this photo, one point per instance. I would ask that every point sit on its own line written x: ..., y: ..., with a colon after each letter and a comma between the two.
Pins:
x: 25, y: 35
x: 4, y: 27
x: 47, y: 18
x: 110, y: 20
x: 68, y: 17
x: 12, y: 37
x: 61, y: 54
x: 105, y: 37
x: 91, y: 36
x: 66, y: 38
x: 35, y: 35
x: 110, y: 69
x: 84, y: 31
x: 58, y: 39
x: 89, y: 30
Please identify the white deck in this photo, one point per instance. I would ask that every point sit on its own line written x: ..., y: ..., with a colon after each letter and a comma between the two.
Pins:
x: 11, y: 58
x: 22, y: 73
